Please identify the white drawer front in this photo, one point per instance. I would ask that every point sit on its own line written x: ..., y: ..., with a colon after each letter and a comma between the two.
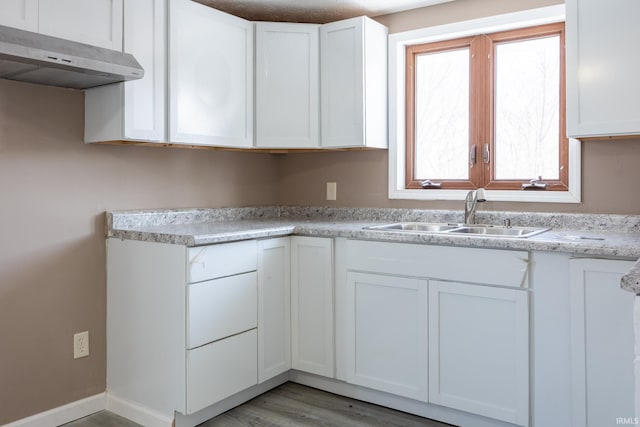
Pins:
x: 211, y: 262
x: 219, y: 308
x: 220, y: 369
x: 473, y: 265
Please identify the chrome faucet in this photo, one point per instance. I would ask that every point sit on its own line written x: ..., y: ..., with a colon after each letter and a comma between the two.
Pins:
x: 470, y: 204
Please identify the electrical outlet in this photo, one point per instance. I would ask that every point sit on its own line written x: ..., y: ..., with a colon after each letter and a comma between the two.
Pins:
x: 81, y: 344
x: 331, y: 190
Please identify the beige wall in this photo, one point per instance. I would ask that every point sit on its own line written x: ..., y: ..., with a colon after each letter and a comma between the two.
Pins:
x: 610, y: 180
x: 53, y: 192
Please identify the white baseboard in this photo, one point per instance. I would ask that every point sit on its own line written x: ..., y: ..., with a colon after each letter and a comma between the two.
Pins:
x: 64, y: 414
x: 138, y: 413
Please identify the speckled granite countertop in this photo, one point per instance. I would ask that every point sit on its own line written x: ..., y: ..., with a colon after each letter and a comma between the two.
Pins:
x: 597, y: 235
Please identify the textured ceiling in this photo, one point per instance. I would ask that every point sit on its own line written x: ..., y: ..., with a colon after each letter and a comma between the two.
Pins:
x: 313, y: 11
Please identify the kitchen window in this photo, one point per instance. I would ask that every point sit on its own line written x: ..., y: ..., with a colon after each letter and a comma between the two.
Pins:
x: 482, y: 107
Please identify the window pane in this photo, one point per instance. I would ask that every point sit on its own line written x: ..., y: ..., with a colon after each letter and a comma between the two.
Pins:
x: 527, y: 109
x: 442, y: 115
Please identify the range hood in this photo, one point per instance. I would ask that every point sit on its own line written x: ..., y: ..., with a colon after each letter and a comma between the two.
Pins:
x: 36, y: 58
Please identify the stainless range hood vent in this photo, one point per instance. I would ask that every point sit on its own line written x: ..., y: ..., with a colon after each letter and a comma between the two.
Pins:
x: 36, y: 58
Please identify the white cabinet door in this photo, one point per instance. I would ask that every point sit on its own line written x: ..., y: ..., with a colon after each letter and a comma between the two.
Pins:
x: 387, y: 334
x: 602, y: 64
x: 479, y: 350
x: 312, y: 348
x: 94, y: 22
x: 210, y: 76
x: 21, y: 14
x: 274, y: 308
x: 145, y: 32
x: 287, y: 85
x: 354, y: 83
x: 134, y: 110
x: 602, y: 342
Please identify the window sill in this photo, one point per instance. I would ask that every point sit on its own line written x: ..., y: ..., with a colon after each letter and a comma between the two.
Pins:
x: 492, y: 195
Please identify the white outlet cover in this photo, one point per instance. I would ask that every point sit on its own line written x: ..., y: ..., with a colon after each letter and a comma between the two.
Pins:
x: 331, y: 191
x: 81, y: 344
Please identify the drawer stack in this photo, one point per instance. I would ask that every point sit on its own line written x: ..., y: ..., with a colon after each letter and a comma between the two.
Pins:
x: 221, y: 339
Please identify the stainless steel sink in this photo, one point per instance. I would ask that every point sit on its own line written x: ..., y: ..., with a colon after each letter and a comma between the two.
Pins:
x: 427, y: 227
x: 460, y: 229
x: 499, y: 231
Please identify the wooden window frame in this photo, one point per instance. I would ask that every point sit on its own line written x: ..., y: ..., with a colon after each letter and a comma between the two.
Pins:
x: 481, y: 108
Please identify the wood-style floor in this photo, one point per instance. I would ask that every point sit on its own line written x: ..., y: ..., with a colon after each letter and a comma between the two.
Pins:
x: 291, y: 405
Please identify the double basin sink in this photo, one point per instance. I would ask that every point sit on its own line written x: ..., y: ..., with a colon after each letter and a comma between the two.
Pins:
x: 460, y: 229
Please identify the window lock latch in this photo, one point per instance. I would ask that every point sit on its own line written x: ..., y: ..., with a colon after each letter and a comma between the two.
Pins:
x: 535, y: 184
x: 427, y: 183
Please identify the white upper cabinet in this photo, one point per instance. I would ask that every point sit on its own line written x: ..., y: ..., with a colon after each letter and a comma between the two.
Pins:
x: 94, y: 22
x: 287, y: 85
x: 21, y: 14
x: 602, y: 68
x: 354, y: 84
x: 134, y: 110
x: 211, y: 76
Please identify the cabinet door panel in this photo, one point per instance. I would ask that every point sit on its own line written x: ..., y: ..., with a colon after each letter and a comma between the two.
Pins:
x: 96, y: 22
x: 387, y: 330
x: 218, y: 370
x: 211, y: 76
x: 287, y: 85
x: 144, y: 38
x: 479, y: 350
x: 274, y: 308
x: 219, y: 308
x: 602, y: 64
x: 353, y: 83
x: 21, y: 14
x: 312, y: 305
x: 602, y: 356
x: 342, y: 84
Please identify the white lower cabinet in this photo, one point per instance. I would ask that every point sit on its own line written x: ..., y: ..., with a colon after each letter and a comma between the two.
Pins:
x: 420, y: 326
x: 274, y: 308
x: 602, y: 343
x: 312, y: 342
x: 387, y: 334
x: 188, y: 327
x: 479, y: 350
